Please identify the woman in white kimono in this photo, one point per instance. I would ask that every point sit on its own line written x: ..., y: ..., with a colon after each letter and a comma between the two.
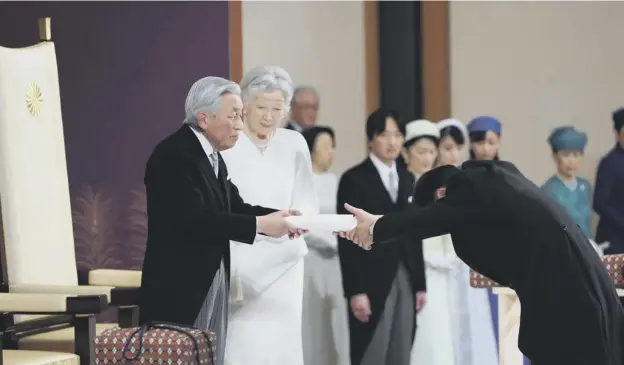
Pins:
x: 271, y: 167
x: 473, y: 334
x: 434, y: 342
x: 325, y: 324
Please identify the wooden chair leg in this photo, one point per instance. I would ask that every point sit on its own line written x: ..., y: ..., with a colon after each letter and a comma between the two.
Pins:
x: 128, y: 316
x: 84, y: 333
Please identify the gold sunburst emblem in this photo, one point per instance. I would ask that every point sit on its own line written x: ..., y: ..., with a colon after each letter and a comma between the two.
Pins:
x: 34, y: 99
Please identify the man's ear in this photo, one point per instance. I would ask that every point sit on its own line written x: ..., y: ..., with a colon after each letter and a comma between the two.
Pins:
x: 202, y: 120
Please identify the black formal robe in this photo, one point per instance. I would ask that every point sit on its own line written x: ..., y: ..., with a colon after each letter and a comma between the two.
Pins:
x: 192, y: 216
x: 372, y: 272
x: 506, y: 228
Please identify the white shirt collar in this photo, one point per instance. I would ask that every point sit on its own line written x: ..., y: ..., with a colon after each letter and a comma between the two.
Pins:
x: 296, y: 126
x: 383, y: 169
x: 206, y: 146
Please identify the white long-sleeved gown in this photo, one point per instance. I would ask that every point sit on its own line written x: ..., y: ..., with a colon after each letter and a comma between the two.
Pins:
x: 325, y: 323
x: 265, y: 324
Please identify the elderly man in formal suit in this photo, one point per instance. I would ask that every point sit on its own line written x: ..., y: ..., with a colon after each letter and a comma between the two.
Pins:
x: 194, y: 211
x: 304, y: 108
x: 506, y: 228
x: 385, y: 287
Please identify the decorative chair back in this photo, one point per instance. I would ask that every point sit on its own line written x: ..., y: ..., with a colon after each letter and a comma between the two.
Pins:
x: 36, y: 211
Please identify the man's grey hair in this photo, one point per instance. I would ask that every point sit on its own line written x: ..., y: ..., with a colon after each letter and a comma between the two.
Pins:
x: 205, y: 96
x: 266, y: 79
x: 303, y: 89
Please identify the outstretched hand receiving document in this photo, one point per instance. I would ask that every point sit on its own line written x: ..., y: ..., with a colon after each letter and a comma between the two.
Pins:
x: 361, y: 235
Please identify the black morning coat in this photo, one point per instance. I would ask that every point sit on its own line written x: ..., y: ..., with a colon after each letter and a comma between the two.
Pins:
x: 372, y: 272
x: 506, y: 228
x: 192, y: 216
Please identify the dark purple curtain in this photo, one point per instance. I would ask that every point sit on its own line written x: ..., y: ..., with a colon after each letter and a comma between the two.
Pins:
x: 125, y: 69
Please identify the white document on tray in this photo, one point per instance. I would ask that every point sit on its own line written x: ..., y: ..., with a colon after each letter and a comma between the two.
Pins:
x: 324, y: 222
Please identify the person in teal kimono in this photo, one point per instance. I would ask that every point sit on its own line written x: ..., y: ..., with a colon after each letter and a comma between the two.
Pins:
x: 569, y: 190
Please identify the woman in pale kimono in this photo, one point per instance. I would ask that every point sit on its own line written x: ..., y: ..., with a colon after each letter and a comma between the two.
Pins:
x: 434, y: 342
x: 485, y: 134
x: 325, y: 325
x: 271, y: 167
x: 473, y: 334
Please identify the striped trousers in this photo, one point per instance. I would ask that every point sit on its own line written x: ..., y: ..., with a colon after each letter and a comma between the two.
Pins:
x: 213, y: 314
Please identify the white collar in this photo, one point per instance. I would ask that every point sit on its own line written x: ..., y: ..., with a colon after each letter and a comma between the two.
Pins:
x: 296, y: 126
x: 206, y: 146
x: 383, y: 169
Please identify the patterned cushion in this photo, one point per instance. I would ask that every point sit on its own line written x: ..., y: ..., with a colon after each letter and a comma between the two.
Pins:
x: 162, y: 344
x: 613, y: 263
x: 479, y: 281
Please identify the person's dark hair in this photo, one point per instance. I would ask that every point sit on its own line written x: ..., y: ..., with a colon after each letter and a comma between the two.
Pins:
x: 454, y: 133
x: 376, y: 122
x: 618, y: 119
x: 311, y: 134
x: 479, y: 136
x: 411, y: 142
x: 431, y: 181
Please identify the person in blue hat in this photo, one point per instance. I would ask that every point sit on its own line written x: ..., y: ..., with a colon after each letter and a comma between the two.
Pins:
x: 572, y: 192
x: 484, y: 133
x: 485, y: 136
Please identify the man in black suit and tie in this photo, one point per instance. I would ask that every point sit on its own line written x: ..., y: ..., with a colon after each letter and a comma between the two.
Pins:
x: 384, y: 287
x: 194, y: 211
x: 508, y: 229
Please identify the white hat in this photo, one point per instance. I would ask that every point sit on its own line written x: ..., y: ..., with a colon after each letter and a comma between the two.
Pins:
x: 421, y: 128
x: 453, y: 123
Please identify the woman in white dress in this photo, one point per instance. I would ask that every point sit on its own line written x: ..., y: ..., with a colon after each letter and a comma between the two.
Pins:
x: 434, y: 342
x: 473, y: 334
x: 325, y: 324
x: 271, y: 166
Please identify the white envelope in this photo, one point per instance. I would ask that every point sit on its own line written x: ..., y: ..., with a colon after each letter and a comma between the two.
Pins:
x: 323, y: 222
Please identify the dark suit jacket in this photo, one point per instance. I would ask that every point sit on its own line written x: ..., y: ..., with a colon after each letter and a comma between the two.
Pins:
x: 372, y: 272
x: 609, y: 200
x: 506, y: 228
x: 192, y: 216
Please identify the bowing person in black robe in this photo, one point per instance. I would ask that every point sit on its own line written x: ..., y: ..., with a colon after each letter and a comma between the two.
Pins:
x: 504, y: 227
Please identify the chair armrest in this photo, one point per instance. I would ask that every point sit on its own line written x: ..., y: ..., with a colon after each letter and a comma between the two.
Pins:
x: 126, y: 284
x: 125, y: 297
x: 19, y: 303
x: 116, y: 278
x: 61, y: 289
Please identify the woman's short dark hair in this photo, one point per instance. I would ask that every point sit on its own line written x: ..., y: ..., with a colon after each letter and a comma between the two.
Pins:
x: 311, y: 134
x: 376, y: 122
x: 479, y: 136
x: 454, y: 133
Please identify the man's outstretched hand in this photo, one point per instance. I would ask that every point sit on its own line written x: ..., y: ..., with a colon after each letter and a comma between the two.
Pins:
x: 360, y: 235
x: 275, y: 224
